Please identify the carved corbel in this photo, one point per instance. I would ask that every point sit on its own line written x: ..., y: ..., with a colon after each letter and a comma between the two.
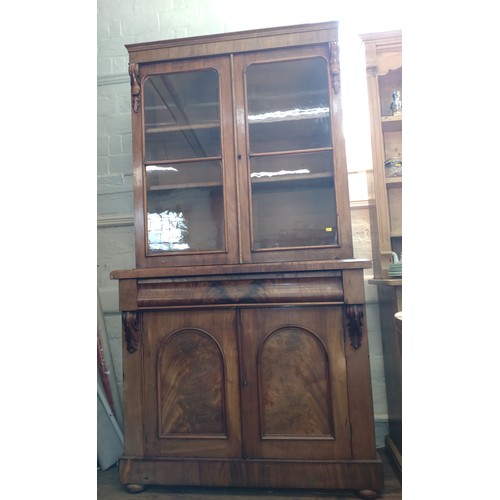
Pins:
x: 135, y: 83
x: 130, y: 322
x: 355, y: 325
x: 335, y: 66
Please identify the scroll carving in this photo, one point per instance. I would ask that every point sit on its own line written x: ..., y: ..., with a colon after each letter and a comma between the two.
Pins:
x: 355, y: 324
x: 131, y: 327
x: 135, y: 83
x: 335, y: 66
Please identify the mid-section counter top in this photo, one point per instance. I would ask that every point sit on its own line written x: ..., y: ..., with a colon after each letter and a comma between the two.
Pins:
x: 281, y: 267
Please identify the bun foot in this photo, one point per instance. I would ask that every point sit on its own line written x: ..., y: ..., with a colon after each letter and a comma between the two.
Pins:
x: 367, y: 494
x: 135, y: 488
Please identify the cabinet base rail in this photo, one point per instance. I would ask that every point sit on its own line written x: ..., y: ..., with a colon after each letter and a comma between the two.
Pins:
x: 360, y: 475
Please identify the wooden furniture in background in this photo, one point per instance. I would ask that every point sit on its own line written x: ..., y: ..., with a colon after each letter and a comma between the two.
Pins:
x: 384, y: 76
x: 245, y: 354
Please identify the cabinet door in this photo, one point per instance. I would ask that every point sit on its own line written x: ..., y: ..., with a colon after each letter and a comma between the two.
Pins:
x: 191, y: 391
x: 294, y: 392
x: 291, y: 157
x: 185, y: 153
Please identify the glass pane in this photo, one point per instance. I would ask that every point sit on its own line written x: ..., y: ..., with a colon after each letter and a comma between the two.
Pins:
x: 181, y: 115
x: 185, y: 207
x: 288, y: 105
x: 293, y: 194
x: 184, y: 191
x: 293, y: 201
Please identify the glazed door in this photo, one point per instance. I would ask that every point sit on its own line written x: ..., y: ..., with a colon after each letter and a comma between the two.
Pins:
x: 290, y: 150
x: 294, y: 387
x: 191, y: 393
x: 186, y: 155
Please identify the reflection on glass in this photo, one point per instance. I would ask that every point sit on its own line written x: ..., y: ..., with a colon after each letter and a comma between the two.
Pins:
x: 185, y: 219
x: 295, y: 114
x: 288, y: 105
x: 184, y: 191
x: 306, y: 165
x: 291, y: 154
x: 167, y: 231
x: 258, y: 175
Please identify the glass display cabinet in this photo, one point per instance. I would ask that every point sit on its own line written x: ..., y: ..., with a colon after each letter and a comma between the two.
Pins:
x: 245, y: 348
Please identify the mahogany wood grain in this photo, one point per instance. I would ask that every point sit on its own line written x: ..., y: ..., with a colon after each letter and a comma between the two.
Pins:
x: 235, y: 42
x: 132, y: 407
x: 294, y: 383
x: 191, y: 384
x: 271, y: 267
x: 353, y: 286
x: 248, y: 473
x: 128, y: 294
x: 244, y: 291
x: 360, y: 397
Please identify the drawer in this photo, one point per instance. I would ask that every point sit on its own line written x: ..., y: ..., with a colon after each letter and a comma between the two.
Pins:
x: 240, y: 290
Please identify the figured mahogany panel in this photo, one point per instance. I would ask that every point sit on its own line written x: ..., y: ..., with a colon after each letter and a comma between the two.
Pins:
x: 294, y: 387
x: 294, y: 391
x: 191, y: 385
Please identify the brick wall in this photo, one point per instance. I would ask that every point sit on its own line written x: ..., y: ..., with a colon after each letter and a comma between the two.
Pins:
x: 122, y: 22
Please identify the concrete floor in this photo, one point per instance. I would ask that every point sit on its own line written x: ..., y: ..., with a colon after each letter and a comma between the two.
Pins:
x: 109, y: 488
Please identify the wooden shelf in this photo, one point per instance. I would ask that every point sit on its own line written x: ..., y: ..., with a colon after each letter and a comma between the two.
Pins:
x: 263, y: 180
x: 176, y: 127
x: 394, y: 182
x: 392, y: 118
x: 162, y: 129
x: 291, y: 178
x: 190, y: 185
x: 386, y: 281
x: 391, y: 123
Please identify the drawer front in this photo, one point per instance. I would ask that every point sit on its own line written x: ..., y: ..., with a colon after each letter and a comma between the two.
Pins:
x: 320, y: 289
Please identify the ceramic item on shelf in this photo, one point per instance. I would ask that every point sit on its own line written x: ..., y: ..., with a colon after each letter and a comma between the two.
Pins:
x: 395, y: 269
x: 396, y: 105
x: 393, y: 167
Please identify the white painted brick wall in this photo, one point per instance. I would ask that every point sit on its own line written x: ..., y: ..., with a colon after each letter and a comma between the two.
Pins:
x: 123, y: 22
